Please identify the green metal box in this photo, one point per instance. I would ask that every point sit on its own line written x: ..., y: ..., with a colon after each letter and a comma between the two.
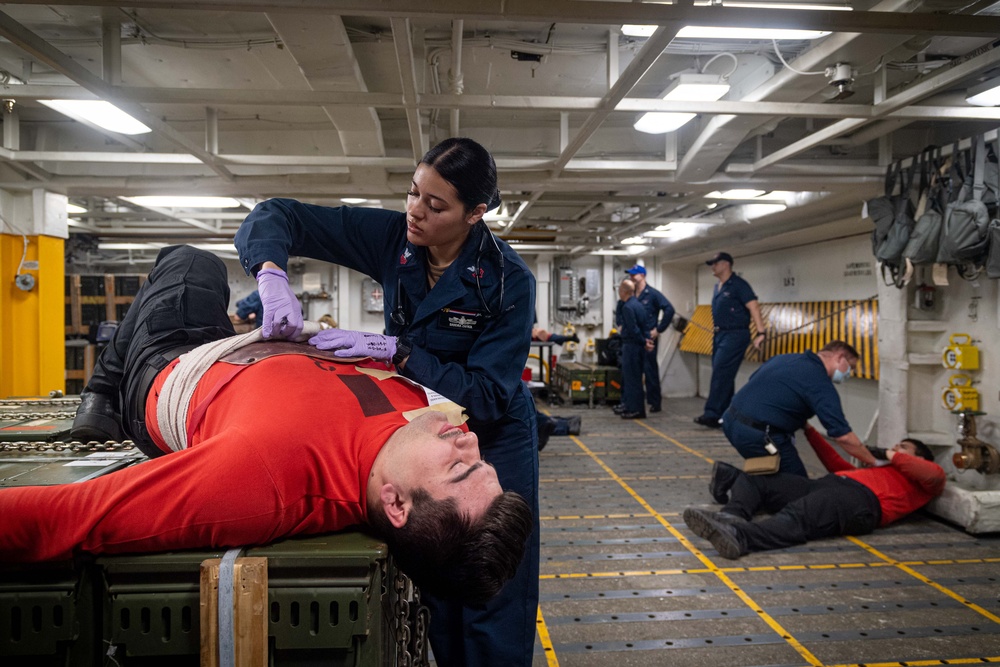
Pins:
x: 328, y: 603
x: 612, y: 383
x: 48, y: 616
x: 579, y: 382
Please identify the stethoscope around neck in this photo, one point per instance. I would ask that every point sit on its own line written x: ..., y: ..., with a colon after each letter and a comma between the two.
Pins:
x: 398, y: 315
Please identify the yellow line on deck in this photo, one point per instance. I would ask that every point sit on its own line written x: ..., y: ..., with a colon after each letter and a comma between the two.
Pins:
x: 729, y: 583
x: 546, y: 640
x: 926, y: 663
x: 913, y: 573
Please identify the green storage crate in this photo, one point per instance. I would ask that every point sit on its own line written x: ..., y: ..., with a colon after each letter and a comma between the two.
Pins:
x: 151, y: 607
x: 44, y: 467
x: 325, y: 597
x: 328, y: 603
x: 612, y: 383
x: 48, y: 616
x: 576, y: 381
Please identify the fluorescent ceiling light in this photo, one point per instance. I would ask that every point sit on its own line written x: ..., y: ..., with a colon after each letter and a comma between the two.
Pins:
x: 657, y: 122
x: 73, y: 209
x: 735, y: 194
x: 697, y: 88
x: 631, y: 30
x: 714, y: 32
x: 752, y: 211
x: 131, y: 246
x: 687, y: 87
x: 353, y: 200
x: 215, y: 247
x: 786, y: 5
x: 634, y: 240
x: 676, y: 233
x: 100, y: 113
x: 181, y: 201
x: 528, y: 247
x: 710, y: 32
x: 986, y: 94
x: 499, y: 214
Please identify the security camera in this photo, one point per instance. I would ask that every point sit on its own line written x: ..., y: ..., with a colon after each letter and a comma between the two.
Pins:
x: 841, y: 77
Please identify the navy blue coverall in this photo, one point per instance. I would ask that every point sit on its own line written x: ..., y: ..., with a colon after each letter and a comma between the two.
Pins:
x: 633, y: 321
x: 731, y: 319
x: 779, y: 397
x: 466, y: 345
x: 251, y: 305
x: 655, y: 303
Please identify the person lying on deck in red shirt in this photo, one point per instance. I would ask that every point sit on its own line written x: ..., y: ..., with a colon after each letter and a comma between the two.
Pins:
x: 848, y: 501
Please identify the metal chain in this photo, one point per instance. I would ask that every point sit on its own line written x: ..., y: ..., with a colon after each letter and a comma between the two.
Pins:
x: 423, y: 621
x: 49, y: 402
x: 22, y: 416
x: 401, y: 621
x: 72, y: 445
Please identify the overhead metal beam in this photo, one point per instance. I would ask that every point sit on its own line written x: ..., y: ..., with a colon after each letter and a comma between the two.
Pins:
x: 643, y: 60
x: 835, y: 207
x: 322, y: 98
x: 941, y: 78
x: 600, y: 12
x: 169, y: 214
x: 34, y: 45
x: 402, y: 40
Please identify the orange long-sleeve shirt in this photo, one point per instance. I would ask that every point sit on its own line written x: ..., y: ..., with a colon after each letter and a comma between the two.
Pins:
x: 278, y: 448
x: 903, y: 486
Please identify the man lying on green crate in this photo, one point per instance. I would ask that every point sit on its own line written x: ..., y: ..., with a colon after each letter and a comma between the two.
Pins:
x: 251, y: 442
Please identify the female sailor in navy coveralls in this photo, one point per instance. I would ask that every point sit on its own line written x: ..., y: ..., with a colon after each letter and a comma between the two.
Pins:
x: 459, y: 306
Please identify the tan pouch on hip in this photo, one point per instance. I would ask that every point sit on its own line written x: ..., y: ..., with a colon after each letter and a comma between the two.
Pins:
x: 762, y: 465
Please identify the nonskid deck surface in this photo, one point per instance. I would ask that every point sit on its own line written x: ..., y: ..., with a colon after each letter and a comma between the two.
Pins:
x: 625, y: 583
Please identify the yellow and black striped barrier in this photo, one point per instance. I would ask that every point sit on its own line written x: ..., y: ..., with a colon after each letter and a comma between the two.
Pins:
x: 801, y: 326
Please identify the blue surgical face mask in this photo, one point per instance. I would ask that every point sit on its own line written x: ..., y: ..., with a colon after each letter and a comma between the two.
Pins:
x: 840, y: 376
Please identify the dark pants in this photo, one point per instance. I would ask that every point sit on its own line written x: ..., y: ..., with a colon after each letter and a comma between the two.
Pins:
x: 749, y: 442
x: 552, y: 425
x: 182, y: 304
x: 501, y: 632
x: 802, y: 509
x: 632, y: 361
x: 651, y: 371
x: 728, y: 348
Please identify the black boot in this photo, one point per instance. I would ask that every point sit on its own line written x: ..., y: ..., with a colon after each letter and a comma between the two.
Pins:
x: 723, y: 476
x: 710, y: 422
x: 724, y: 533
x: 96, y: 419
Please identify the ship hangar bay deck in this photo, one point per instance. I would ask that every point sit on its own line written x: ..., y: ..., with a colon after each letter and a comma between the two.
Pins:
x: 624, y: 582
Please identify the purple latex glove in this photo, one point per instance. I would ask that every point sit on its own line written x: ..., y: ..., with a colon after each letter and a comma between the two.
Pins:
x: 355, y: 344
x: 282, y: 312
